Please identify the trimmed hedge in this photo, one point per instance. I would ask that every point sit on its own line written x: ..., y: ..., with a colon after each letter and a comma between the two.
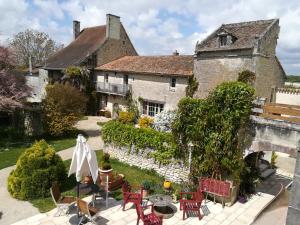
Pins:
x: 123, y: 135
x: 36, y: 169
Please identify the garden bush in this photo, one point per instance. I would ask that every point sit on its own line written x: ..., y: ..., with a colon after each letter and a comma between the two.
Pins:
x: 163, y: 121
x: 145, y: 121
x: 63, y: 106
x: 126, y: 117
x: 124, y: 135
x: 36, y: 169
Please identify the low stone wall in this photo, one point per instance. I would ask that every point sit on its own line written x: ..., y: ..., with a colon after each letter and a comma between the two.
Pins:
x: 174, y: 172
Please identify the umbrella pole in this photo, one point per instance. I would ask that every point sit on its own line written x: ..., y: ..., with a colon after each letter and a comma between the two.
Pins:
x: 77, y: 198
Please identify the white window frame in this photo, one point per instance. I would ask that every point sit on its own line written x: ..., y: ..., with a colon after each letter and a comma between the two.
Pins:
x: 151, y: 108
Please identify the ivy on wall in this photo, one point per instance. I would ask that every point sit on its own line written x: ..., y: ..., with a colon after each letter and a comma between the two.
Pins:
x: 213, y: 125
x: 191, y: 87
x: 124, y: 135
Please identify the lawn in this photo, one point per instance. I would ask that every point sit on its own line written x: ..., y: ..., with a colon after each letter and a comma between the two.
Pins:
x: 133, y: 175
x: 11, y: 150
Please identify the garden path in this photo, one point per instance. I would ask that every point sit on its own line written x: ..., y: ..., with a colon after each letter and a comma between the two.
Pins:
x: 11, y: 209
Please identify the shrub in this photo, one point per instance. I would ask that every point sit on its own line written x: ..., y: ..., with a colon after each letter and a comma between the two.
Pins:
x: 124, y: 135
x: 36, y: 169
x: 247, y: 77
x: 163, y: 121
x: 145, y: 121
x: 126, y: 117
x: 63, y: 106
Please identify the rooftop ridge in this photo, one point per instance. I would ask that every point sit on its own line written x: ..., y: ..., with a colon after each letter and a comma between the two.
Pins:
x: 249, y: 22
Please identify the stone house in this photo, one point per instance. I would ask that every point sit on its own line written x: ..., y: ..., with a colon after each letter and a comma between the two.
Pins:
x: 92, y: 47
x: 235, y: 47
x: 156, y: 83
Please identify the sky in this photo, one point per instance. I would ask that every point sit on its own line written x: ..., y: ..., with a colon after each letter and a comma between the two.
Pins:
x: 155, y: 27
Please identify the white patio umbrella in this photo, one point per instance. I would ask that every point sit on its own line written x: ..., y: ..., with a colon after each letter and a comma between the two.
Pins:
x: 84, y: 161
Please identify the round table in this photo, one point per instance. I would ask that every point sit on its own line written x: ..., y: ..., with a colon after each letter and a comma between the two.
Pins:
x: 162, y: 205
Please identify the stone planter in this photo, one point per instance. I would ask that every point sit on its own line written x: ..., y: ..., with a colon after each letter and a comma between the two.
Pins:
x: 103, y: 174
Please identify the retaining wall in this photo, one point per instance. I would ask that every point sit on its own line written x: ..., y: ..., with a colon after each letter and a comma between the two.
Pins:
x: 175, y: 172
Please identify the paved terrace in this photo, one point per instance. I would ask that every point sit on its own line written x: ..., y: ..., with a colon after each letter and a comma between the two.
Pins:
x: 238, y: 214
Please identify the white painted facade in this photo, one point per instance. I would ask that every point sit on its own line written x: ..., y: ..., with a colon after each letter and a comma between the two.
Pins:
x: 288, y: 96
x: 145, y: 88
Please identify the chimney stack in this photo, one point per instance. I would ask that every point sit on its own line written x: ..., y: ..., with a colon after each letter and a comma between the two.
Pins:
x: 76, y: 28
x: 175, y: 52
x: 113, y: 26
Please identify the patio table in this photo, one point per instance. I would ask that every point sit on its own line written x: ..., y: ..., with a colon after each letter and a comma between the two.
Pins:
x: 162, y: 205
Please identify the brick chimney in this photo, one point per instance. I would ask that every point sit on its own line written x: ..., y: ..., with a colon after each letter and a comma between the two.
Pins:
x: 113, y: 26
x: 76, y: 28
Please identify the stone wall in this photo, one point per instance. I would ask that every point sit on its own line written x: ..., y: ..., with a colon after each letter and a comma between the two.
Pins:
x: 212, y: 71
x: 113, y: 49
x: 148, y: 87
x: 174, y: 172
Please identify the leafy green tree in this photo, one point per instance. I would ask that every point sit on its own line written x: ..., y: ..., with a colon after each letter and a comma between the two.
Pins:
x: 63, y: 106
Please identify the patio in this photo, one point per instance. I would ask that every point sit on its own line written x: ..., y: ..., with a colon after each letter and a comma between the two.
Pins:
x: 237, y: 214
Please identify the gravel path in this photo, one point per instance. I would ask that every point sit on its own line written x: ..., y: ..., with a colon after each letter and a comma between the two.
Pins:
x: 13, y: 210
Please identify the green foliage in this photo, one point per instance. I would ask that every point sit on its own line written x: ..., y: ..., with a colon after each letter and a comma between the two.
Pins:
x: 124, y: 135
x: 36, y: 169
x: 63, y: 106
x: 105, y: 162
x: 126, y: 117
x: 213, y: 125
x: 292, y: 78
x: 73, y: 71
x: 247, y: 77
x: 192, y: 86
x: 273, y: 159
x: 146, y: 185
x: 145, y: 121
x: 132, y: 105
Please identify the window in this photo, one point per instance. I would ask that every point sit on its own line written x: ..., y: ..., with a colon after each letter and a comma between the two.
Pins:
x: 125, y: 79
x: 173, y: 82
x: 152, y: 108
x: 106, y: 78
x: 223, y: 40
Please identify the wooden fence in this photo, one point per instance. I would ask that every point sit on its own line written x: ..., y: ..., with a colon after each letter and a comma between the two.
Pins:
x: 289, y: 113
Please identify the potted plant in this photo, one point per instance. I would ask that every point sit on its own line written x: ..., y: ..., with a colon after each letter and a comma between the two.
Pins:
x: 146, y: 188
x: 105, y: 168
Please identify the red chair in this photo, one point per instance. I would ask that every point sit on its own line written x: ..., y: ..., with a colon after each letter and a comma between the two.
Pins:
x: 148, y: 219
x: 129, y: 196
x: 191, y: 205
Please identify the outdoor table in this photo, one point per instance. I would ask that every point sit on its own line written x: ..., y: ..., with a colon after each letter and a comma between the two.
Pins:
x: 162, y: 205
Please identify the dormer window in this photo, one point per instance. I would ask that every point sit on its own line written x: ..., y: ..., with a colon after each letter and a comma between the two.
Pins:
x: 223, y: 40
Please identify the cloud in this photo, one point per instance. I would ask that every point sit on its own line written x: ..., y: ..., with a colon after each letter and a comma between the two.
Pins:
x: 157, y: 26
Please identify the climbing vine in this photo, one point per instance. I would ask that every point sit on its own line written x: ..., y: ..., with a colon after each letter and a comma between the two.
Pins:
x: 213, y: 125
x: 191, y: 87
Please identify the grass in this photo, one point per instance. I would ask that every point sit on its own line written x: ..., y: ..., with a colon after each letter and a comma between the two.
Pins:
x: 10, y: 150
x: 133, y: 175
x: 101, y: 123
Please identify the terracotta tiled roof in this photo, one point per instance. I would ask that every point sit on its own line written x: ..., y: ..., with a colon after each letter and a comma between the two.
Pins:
x: 180, y: 65
x: 83, y: 46
x: 245, y: 33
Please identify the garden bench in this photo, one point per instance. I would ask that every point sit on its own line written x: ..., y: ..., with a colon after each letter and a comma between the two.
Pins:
x: 215, y: 187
